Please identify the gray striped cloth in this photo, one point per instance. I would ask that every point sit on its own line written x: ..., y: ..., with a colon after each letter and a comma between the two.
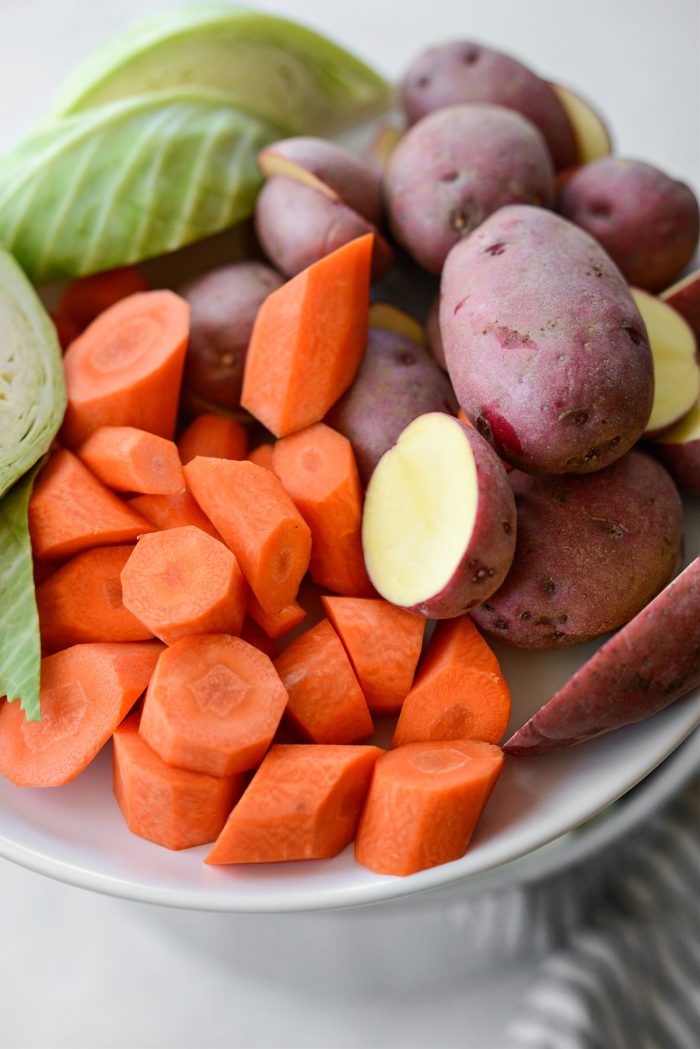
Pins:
x: 630, y: 977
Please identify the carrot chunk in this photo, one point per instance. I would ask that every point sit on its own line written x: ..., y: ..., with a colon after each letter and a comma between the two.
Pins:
x: 384, y: 645
x: 424, y: 803
x: 181, y: 581
x: 258, y: 522
x: 82, y: 601
x: 131, y: 460
x: 256, y: 636
x: 308, y: 340
x: 262, y: 455
x: 280, y: 624
x: 215, y: 437
x: 326, y: 704
x: 303, y: 803
x: 86, y: 691
x: 317, y: 468
x: 172, y: 807
x: 126, y: 367
x: 87, y: 297
x: 213, y: 705
x: 173, y: 511
x: 459, y: 693
x: 70, y: 511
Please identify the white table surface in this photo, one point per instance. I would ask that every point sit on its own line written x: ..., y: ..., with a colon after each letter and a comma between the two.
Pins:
x: 79, y: 970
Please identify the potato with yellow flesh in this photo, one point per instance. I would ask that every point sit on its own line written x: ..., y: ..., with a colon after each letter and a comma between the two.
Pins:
x: 591, y: 134
x: 679, y: 451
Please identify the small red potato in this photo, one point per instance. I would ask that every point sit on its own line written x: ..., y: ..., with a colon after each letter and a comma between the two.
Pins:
x: 591, y: 134
x: 455, y: 167
x: 651, y: 662
x: 591, y: 552
x: 684, y: 296
x: 679, y: 451
x: 647, y: 222
x: 438, y: 530
x: 432, y: 328
x: 382, y: 146
x: 463, y: 71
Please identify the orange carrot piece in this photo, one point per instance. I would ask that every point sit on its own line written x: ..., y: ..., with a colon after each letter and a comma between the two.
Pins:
x: 173, y: 511
x: 172, y: 807
x: 280, y: 624
x: 258, y: 521
x: 181, y: 581
x: 213, y: 705
x: 87, y: 297
x: 326, y: 704
x: 256, y: 636
x: 131, y: 460
x: 262, y: 455
x: 126, y: 367
x: 70, y: 511
x: 86, y: 691
x: 308, y: 340
x: 459, y: 693
x: 66, y: 329
x: 82, y: 601
x: 215, y: 437
x: 424, y: 803
x: 303, y: 803
x: 317, y: 468
x: 384, y: 646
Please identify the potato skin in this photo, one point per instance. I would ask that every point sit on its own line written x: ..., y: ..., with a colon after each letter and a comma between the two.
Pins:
x: 432, y: 330
x: 592, y: 551
x: 545, y: 347
x: 463, y: 71
x: 396, y: 382
x: 651, y: 662
x: 682, y: 462
x: 454, y: 168
x: 647, y: 222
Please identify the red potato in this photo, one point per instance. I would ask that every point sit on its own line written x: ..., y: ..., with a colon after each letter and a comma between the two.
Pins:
x: 591, y: 134
x: 438, y: 531
x: 546, y: 350
x: 647, y: 222
x: 679, y: 451
x: 455, y: 167
x: 391, y: 318
x: 464, y: 71
x: 383, y: 144
x: 432, y: 327
x: 684, y: 296
x: 591, y: 552
x: 651, y: 662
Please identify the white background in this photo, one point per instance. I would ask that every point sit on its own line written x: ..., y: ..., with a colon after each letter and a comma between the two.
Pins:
x: 80, y: 970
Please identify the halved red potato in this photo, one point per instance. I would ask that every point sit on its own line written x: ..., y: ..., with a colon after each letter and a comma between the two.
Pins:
x: 591, y: 134
x: 679, y: 451
x: 684, y: 296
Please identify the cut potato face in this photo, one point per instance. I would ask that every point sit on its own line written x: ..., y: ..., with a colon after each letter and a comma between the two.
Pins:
x: 390, y: 318
x: 591, y: 134
x: 684, y: 296
x: 685, y: 431
x: 676, y: 373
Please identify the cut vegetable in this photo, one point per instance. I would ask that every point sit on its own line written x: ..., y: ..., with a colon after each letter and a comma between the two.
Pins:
x: 684, y: 296
x: 390, y: 318
x: 172, y: 511
x: 591, y: 134
x: 131, y: 460
x: 439, y: 520
x: 256, y: 636
x: 280, y: 624
x: 262, y: 456
x: 679, y: 451
x: 215, y: 437
x: 84, y: 299
x: 302, y: 804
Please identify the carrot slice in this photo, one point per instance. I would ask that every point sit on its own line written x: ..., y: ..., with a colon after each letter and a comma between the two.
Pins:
x: 256, y: 636
x: 86, y: 691
x: 131, y: 460
x: 87, y: 297
x: 258, y: 521
x: 317, y: 468
x: 303, y: 803
x: 308, y: 340
x: 460, y: 692
x: 424, y: 803
x: 70, y: 511
x: 82, y: 601
x: 262, y: 455
x: 66, y: 329
x: 173, y: 511
x: 215, y: 437
x: 384, y: 646
x: 280, y: 624
x: 126, y: 367
x: 181, y: 581
x: 213, y: 705
x: 326, y: 704
x: 171, y: 807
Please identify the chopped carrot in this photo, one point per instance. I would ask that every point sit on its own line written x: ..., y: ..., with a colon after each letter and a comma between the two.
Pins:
x: 308, y: 340
x: 66, y: 329
x: 258, y: 521
x: 82, y: 601
x: 317, y: 468
x: 424, y: 802
x: 70, y: 511
x: 326, y: 704
x: 86, y: 691
x: 213, y: 705
x: 256, y: 636
x: 280, y: 624
x: 262, y: 455
x: 131, y: 460
x: 87, y: 297
x: 173, y: 511
x: 459, y: 693
x: 215, y: 437
x: 172, y: 807
x: 303, y: 803
x: 182, y: 581
x: 384, y: 646
x: 126, y: 367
